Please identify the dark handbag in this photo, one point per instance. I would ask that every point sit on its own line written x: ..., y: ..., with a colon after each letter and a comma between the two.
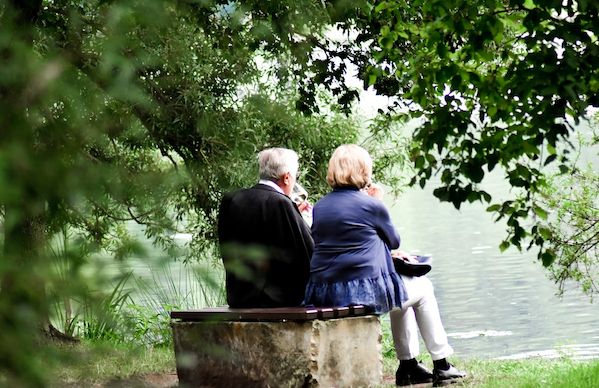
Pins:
x: 406, y: 268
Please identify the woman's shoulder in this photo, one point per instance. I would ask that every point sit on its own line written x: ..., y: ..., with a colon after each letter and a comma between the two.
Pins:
x: 338, y: 197
x: 342, y: 198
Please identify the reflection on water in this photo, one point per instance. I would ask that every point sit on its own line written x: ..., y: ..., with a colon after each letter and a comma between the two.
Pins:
x: 493, y: 304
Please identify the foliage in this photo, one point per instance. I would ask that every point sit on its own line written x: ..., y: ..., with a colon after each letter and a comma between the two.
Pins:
x: 495, y: 84
x: 146, y: 321
x: 572, y: 229
x: 97, y: 300
x: 102, y: 313
x: 138, y: 111
x: 387, y: 340
x: 147, y: 111
x: 388, y: 143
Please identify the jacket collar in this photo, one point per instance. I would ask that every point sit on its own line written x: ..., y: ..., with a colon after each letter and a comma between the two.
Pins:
x: 271, y: 184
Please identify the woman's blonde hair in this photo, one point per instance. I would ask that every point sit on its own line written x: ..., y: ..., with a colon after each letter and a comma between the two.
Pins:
x: 349, y: 166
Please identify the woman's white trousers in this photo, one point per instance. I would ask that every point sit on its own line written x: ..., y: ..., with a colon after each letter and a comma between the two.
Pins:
x: 419, y: 312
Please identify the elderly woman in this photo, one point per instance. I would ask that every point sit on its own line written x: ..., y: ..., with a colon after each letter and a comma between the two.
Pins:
x: 352, y: 265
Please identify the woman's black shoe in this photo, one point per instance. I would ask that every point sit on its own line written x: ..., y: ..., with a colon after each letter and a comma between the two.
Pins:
x: 446, y: 377
x: 408, y: 375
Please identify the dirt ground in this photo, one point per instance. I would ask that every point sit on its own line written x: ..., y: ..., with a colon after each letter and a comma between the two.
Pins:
x: 157, y: 380
x: 170, y: 380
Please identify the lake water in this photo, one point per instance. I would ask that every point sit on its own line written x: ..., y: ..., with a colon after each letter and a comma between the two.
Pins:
x: 493, y: 304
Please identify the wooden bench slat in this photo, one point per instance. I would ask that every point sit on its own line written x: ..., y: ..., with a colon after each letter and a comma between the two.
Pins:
x: 358, y: 310
x: 341, y: 312
x: 326, y: 313
x: 267, y: 314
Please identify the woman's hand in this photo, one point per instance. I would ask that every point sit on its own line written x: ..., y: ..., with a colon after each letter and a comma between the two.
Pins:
x: 398, y: 254
x: 375, y: 191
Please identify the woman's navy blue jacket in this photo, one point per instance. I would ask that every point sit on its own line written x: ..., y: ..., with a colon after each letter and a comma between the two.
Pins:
x: 351, y: 263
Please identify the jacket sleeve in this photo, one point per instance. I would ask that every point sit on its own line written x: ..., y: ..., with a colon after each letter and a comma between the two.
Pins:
x: 299, y: 244
x: 296, y: 230
x: 384, y: 226
x: 223, y: 227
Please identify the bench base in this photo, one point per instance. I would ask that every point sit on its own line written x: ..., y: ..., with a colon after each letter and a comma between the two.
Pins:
x: 334, y: 352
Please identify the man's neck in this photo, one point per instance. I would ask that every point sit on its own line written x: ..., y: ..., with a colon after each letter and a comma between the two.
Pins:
x: 271, y: 184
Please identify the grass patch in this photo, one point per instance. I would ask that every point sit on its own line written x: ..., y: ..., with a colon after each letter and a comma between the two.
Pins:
x: 88, y: 363
x: 103, y: 364
x: 528, y: 373
x: 106, y: 364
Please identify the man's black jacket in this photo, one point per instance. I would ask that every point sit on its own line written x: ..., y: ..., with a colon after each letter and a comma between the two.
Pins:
x: 266, y: 248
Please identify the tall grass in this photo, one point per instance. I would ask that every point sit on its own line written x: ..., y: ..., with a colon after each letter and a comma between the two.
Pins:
x: 124, y: 307
x: 167, y: 289
x: 185, y: 287
x: 102, y: 313
x: 61, y: 306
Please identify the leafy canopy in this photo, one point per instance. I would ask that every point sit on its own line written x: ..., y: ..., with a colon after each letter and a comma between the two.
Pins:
x: 494, y: 84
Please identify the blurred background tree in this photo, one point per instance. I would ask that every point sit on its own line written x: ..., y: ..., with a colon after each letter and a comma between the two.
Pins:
x: 143, y: 111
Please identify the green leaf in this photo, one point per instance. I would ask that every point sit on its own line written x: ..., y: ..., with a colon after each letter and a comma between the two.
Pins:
x: 486, y: 196
x: 504, y: 245
x: 545, y: 233
x: 547, y: 257
x: 540, y: 212
x: 529, y: 4
x: 474, y: 171
x: 494, y: 207
x: 550, y: 159
x: 441, y: 193
x: 371, y: 79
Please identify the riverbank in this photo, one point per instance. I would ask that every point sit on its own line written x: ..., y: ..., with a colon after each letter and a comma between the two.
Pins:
x: 109, y: 365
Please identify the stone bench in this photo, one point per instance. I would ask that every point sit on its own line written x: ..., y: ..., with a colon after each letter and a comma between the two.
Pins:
x: 278, y: 347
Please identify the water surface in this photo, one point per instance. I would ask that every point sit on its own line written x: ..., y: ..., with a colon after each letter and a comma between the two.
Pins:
x: 493, y: 304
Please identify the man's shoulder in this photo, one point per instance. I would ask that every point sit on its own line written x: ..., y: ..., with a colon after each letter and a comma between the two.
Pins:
x: 256, y: 190
x: 258, y: 193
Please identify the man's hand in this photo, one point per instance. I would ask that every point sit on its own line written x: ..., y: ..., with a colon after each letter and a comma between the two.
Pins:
x: 305, y: 206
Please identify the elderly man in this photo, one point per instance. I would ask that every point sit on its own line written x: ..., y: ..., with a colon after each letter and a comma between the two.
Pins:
x: 264, y: 242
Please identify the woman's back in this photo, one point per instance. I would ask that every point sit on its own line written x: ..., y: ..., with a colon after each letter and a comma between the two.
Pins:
x: 351, y: 263
x: 352, y: 234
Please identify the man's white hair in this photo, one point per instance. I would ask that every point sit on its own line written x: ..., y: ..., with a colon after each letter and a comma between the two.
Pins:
x: 276, y: 162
